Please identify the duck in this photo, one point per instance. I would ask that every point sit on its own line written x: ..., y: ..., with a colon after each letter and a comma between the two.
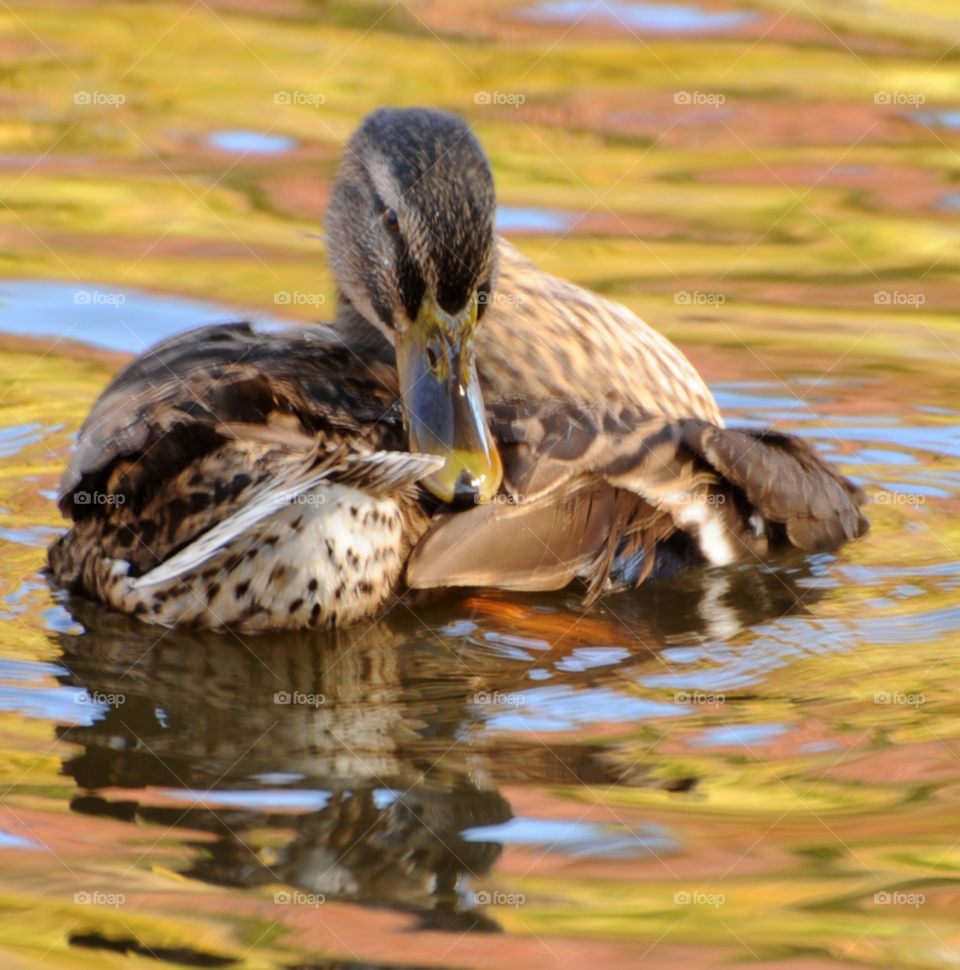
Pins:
x: 467, y: 419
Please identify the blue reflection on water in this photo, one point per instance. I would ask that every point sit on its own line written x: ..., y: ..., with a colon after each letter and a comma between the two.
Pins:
x: 667, y: 18
x: 94, y: 313
x: 240, y: 141
x: 531, y: 220
x: 288, y: 799
x: 576, y: 838
x: 739, y: 735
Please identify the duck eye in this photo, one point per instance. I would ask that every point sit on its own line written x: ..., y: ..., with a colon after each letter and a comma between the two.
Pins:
x: 391, y: 221
x: 433, y: 358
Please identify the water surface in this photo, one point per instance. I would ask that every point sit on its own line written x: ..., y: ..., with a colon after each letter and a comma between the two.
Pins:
x: 666, y: 18
x: 485, y: 762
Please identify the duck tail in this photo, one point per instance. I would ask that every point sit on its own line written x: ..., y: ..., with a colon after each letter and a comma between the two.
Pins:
x: 784, y: 480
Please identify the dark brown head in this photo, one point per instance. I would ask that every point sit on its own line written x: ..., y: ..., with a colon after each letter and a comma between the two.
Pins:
x: 410, y: 231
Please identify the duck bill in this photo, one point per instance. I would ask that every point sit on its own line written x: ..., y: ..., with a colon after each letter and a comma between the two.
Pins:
x: 442, y: 404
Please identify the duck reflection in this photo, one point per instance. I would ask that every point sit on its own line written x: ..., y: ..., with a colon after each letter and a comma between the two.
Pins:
x: 348, y: 763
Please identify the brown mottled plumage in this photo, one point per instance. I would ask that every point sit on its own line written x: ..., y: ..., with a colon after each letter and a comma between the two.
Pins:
x: 267, y: 481
x: 224, y: 422
x: 615, y: 497
x: 546, y: 339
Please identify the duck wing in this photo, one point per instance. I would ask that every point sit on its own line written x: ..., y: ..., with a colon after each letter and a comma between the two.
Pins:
x: 617, y: 497
x: 545, y: 338
x: 188, y: 434
x: 380, y: 474
x: 164, y: 407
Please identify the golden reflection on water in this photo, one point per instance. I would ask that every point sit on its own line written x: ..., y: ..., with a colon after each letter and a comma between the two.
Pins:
x: 488, y: 780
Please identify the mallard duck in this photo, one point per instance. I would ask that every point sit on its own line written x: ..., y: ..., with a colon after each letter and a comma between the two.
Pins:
x: 467, y: 419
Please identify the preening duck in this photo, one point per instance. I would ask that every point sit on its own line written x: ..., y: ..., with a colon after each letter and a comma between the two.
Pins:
x: 466, y: 420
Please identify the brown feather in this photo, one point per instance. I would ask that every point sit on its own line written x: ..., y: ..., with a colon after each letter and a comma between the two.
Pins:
x: 587, y: 487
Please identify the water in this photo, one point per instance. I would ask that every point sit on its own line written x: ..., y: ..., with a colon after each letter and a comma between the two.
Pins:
x: 530, y: 220
x: 243, y: 142
x: 105, y: 315
x: 751, y: 765
x: 945, y: 119
x: 665, y: 18
x: 489, y: 761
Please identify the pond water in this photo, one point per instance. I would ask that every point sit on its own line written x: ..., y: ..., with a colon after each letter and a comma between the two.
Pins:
x: 743, y: 765
x: 946, y: 119
x: 105, y: 315
x: 734, y: 762
x: 531, y: 220
x: 666, y: 18
x: 239, y: 141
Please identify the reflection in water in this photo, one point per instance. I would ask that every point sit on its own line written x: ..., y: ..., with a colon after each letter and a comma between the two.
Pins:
x: 243, y: 142
x: 105, y: 315
x: 483, y: 743
x: 666, y: 18
x: 530, y: 220
x: 365, y: 764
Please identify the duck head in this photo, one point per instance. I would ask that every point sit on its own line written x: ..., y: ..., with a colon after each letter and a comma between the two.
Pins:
x: 410, y: 231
